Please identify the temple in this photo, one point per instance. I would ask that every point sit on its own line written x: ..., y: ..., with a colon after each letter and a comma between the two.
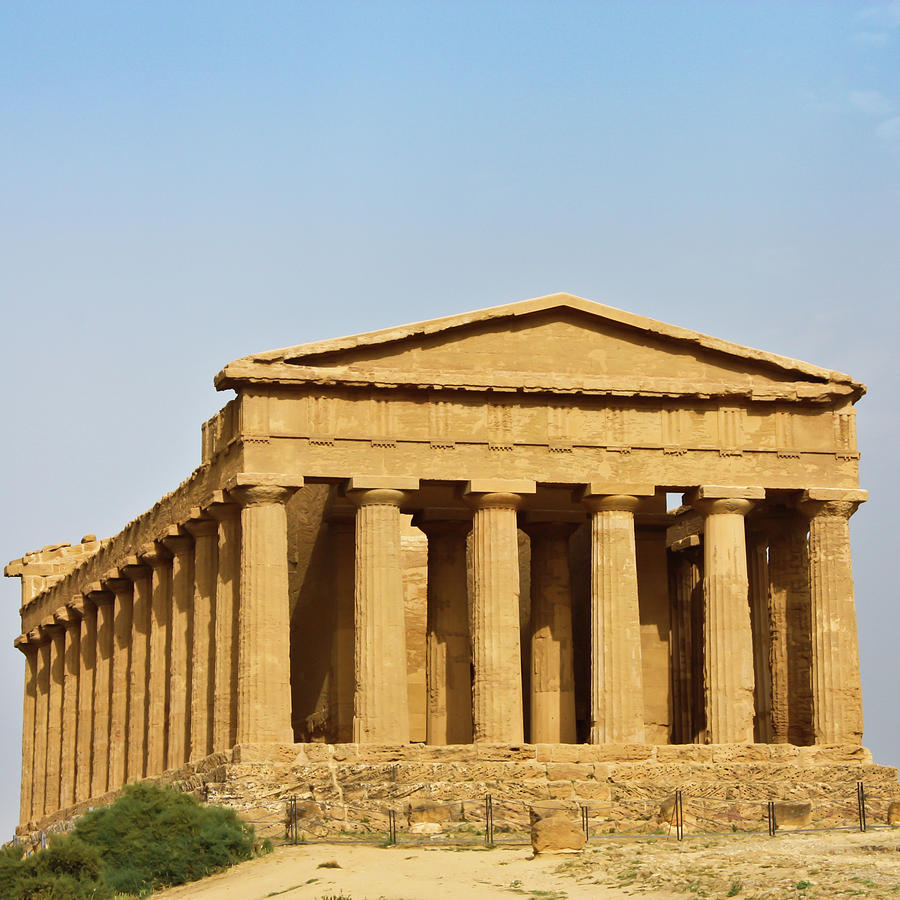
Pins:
x: 463, y: 532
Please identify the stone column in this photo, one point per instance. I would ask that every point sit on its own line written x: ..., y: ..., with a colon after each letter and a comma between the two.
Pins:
x: 71, y: 621
x: 836, y: 693
x: 728, y: 640
x: 758, y: 579
x: 56, y: 636
x: 617, y: 680
x: 181, y: 546
x: 54, y: 711
x: 228, y: 580
x: 790, y: 648
x: 342, y: 533
x: 205, y: 534
x: 448, y: 650
x: 100, y: 748
x: 684, y: 578
x: 121, y: 590
x: 29, y: 649
x: 263, y: 677
x: 87, y: 670
x: 158, y: 558
x: 496, y: 643
x: 42, y: 707
x: 552, y: 677
x: 142, y: 593
x: 380, y: 703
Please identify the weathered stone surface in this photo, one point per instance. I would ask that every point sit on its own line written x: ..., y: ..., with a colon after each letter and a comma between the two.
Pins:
x: 893, y: 813
x: 556, y: 834
x: 793, y: 814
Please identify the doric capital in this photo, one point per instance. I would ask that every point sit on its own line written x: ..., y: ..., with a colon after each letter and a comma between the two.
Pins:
x: 435, y: 522
x: 377, y: 497
x: 548, y: 529
x: 76, y: 606
x: 612, y: 503
x: 262, y: 488
x: 176, y: 541
x: 25, y: 643
x: 221, y: 507
x: 65, y: 616
x: 133, y: 569
x: 97, y: 595
x: 49, y: 627
x: 494, y: 500
x: 200, y: 525
x: 115, y: 581
x: 154, y: 554
x: 716, y: 499
x: 830, y: 502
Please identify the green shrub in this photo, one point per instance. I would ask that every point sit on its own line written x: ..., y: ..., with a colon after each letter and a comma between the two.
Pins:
x: 150, y: 838
x: 154, y: 837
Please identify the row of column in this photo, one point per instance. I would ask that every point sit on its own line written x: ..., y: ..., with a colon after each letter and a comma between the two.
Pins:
x: 181, y: 651
x: 474, y: 667
x: 764, y: 630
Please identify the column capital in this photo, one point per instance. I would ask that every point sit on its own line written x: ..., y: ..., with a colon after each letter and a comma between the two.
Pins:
x: 221, y: 507
x: 154, y: 554
x: 66, y: 616
x: 542, y: 526
x: 200, y: 524
x: 176, y: 541
x: 377, y: 497
x: 442, y: 521
x: 830, y: 502
x: 76, y: 606
x: 97, y: 594
x: 49, y: 627
x: 115, y: 581
x: 613, y: 503
x: 133, y: 569
x: 24, y: 644
x: 261, y: 488
x: 715, y: 499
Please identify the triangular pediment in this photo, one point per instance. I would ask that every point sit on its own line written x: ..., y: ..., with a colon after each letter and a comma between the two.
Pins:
x: 558, y: 343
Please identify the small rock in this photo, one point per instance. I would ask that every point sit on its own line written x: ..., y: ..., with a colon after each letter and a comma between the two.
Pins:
x: 793, y: 813
x: 426, y: 828
x: 894, y: 813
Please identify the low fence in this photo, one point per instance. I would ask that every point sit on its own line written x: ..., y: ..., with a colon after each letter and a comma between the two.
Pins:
x: 495, y: 820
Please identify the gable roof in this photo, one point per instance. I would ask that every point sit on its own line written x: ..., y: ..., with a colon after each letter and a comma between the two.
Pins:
x: 381, y: 357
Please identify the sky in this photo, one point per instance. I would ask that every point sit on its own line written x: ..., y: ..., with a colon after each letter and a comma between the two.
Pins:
x: 185, y: 183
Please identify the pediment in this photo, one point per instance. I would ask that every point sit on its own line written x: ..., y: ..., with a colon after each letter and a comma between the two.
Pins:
x: 558, y: 343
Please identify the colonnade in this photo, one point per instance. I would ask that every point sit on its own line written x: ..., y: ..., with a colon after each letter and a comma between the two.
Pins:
x: 183, y: 648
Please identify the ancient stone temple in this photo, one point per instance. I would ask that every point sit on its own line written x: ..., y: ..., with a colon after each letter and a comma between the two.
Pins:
x: 460, y: 534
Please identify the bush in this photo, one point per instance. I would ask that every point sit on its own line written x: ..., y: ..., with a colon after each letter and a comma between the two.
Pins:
x: 154, y: 837
x: 150, y: 838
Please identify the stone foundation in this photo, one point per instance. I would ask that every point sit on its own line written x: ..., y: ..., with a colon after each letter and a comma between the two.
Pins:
x: 344, y: 790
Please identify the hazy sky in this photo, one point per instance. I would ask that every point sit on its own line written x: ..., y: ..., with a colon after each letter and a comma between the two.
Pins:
x: 185, y: 183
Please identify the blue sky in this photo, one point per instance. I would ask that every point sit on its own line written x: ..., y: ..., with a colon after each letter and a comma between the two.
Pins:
x: 185, y: 183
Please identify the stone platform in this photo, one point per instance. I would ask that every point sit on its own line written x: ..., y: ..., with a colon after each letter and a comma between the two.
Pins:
x: 345, y: 790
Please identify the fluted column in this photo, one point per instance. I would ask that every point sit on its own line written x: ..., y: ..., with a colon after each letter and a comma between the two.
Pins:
x: 790, y: 648
x: 448, y: 650
x: 342, y: 534
x: 100, y: 747
x: 158, y: 558
x: 227, y: 606
x: 836, y: 692
x: 758, y: 579
x: 121, y: 590
x: 263, y: 677
x: 552, y: 678
x: 496, y: 641
x: 205, y: 534
x: 87, y: 670
x: 141, y: 593
x: 684, y: 579
x: 380, y: 703
x: 181, y: 546
x: 617, y: 680
x: 728, y: 639
x: 29, y: 649
x: 71, y: 621
x: 57, y: 636
x: 42, y: 706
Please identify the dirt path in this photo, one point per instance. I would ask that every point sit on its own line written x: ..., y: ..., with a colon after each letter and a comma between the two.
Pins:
x: 794, y: 866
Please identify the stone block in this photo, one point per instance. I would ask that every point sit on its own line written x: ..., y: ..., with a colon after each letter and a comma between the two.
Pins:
x: 426, y: 828
x: 549, y: 808
x: 419, y: 811
x: 684, y: 753
x: 793, y: 813
x: 728, y: 753
x: 893, y: 813
x: 591, y: 790
x: 569, y: 772
x: 560, y: 790
x: 557, y: 834
x: 617, y: 752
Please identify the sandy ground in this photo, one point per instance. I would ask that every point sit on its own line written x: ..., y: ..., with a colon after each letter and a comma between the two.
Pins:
x: 795, y: 866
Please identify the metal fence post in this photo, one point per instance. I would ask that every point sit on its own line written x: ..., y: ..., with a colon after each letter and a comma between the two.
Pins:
x: 585, y: 823
x: 488, y: 820
x: 770, y: 817
x: 861, y: 804
x: 392, y: 826
x: 679, y: 814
